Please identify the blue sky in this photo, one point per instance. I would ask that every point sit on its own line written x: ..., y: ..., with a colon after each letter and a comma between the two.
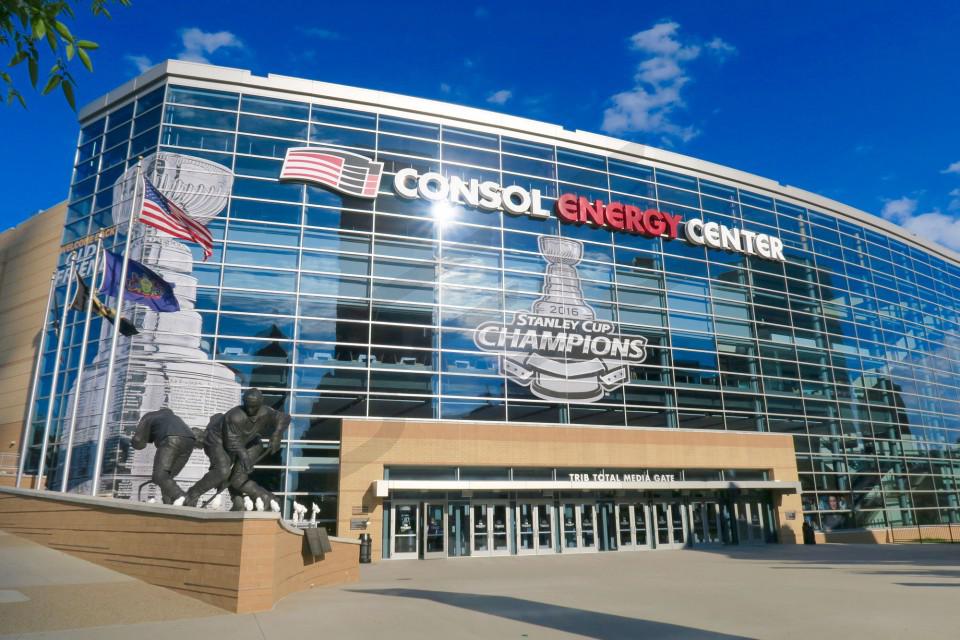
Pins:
x: 857, y: 101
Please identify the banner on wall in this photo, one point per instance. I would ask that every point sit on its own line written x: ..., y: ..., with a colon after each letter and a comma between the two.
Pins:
x: 560, y: 350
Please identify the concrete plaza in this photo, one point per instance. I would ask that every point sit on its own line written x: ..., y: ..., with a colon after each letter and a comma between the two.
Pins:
x: 851, y: 591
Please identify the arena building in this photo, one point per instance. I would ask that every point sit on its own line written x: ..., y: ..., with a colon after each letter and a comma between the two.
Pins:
x: 497, y: 336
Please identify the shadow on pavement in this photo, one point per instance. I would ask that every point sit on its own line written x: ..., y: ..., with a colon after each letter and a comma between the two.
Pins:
x: 928, y: 560
x: 592, y: 624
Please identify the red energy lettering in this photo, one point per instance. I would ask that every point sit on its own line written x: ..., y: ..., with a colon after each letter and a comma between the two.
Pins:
x: 616, y: 216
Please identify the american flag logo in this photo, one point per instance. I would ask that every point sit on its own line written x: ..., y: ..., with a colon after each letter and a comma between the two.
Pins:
x: 348, y: 173
x: 160, y: 212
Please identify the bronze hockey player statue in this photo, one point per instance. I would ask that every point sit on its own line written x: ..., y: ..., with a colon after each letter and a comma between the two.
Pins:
x: 174, y: 441
x: 233, y: 444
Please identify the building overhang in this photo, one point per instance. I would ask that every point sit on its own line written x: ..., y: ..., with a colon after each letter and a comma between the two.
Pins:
x: 384, y: 488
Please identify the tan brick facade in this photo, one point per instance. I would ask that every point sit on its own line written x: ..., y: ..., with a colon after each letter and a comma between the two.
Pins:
x: 28, y: 254
x: 370, y: 445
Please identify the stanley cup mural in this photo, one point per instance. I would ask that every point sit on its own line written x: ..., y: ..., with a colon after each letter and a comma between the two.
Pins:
x: 560, y: 350
x: 163, y: 366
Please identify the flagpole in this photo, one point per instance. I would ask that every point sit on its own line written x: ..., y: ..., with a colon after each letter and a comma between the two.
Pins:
x: 91, y: 293
x: 52, y: 402
x: 31, y: 408
x: 102, y: 434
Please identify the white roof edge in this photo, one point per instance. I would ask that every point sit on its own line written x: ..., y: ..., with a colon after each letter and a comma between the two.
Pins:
x: 243, y: 78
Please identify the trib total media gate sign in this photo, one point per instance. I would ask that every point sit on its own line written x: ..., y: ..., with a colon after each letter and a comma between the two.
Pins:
x: 559, y: 349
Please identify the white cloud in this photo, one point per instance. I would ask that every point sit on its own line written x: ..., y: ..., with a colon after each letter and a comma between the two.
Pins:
x: 318, y: 32
x: 899, y: 210
x: 932, y: 225
x: 197, y: 44
x: 953, y: 168
x: 935, y: 226
x: 142, y: 63
x: 721, y: 48
x: 650, y: 106
x: 954, y: 204
x: 500, y: 97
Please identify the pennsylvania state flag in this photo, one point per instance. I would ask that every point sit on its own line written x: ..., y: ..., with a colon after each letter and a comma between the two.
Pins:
x: 143, y: 286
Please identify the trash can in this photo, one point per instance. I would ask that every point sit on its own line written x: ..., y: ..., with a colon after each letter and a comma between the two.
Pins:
x: 366, y: 544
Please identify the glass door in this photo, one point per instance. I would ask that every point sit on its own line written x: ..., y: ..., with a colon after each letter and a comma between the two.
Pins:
x: 756, y: 523
x: 586, y: 523
x: 570, y: 537
x: 625, y: 535
x: 526, y: 534
x: 544, y: 528
x: 434, y: 540
x: 712, y: 535
x: 697, y: 523
x: 405, y: 527
x: 679, y: 521
x: 662, y: 517
x: 750, y: 522
x: 482, y: 529
x: 641, y: 525
x: 501, y: 536
x: 534, y: 523
x: 458, y: 530
x: 743, y: 528
x: 607, y: 534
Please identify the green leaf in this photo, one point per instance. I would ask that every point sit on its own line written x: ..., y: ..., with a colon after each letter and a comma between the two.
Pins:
x: 51, y: 84
x: 39, y: 29
x: 52, y: 41
x: 87, y: 44
x: 69, y: 49
x: 85, y: 59
x: 63, y: 31
x: 32, y: 66
x: 68, y: 94
x: 17, y: 58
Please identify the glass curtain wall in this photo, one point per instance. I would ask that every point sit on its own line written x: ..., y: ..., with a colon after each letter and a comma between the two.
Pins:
x: 337, y: 306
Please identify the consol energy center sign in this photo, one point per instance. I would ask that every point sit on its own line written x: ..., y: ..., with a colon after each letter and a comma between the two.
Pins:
x: 573, y: 209
x: 559, y: 349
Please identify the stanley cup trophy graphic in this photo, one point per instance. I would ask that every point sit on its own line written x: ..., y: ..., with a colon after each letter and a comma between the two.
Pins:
x: 562, y: 293
x: 582, y: 377
x: 163, y: 366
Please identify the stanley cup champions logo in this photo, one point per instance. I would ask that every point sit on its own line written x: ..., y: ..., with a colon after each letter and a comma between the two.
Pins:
x: 560, y: 350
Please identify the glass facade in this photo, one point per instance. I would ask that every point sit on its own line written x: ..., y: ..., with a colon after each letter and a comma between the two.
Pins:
x: 343, y: 307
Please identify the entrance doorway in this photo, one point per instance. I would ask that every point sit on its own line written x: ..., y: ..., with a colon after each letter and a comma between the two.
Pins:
x: 466, y: 526
x: 459, y: 530
x: 578, y: 531
x: 434, y: 524
x: 534, y: 524
x: 752, y: 522
x: 492, y: 529
x: 405, y: 519
x: 705, y: 518
x: 632, y: 528
x: 671, y: 525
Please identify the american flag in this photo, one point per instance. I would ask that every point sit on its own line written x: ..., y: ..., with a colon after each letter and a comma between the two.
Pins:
x: 160, y: 212
x: 342, y: 171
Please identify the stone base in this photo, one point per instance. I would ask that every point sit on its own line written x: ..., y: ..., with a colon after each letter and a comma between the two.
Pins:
x: 241, y: 562
x: 923, y: 533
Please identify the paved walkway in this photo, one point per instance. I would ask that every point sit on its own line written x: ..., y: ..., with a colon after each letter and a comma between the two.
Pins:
x: 827, y: 591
